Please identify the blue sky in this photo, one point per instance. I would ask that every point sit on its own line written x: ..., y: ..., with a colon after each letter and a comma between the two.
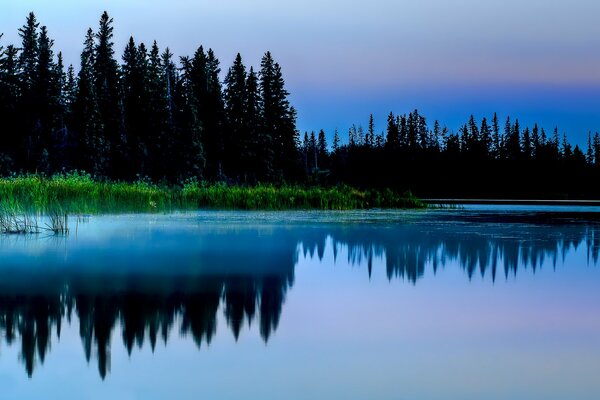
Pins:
x: 343, y: 59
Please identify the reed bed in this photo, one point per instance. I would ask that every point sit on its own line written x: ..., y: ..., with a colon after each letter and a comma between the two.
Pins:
x: 266, y: 197
x: 78, y: 194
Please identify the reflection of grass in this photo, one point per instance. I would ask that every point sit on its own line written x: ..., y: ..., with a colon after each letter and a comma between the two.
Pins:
x: 15, y: 219
x: 80, y: 194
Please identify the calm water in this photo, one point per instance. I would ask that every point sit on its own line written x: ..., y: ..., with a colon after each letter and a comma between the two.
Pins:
x: 486, y: 302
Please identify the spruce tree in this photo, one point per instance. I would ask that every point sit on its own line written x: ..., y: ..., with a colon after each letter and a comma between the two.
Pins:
x: 28, y: 105
x: 392, y: 135
x: 437, y: 135
x: 370, y: 139
x: 312, y: 152
x: 158, y: 116
x: 47, y: 91
x: 322, y: 148
x: 536, y: 141
x: 566, y: 150
x: 239, y: 150
x: 596, y: 146
x: 527, y: 147
x: 279, y: 119
x: 171, y: 139
x: 214, y: 117
x: 473, y: 139
x: 589, y: 155
x: 191, y: 161
x: 107, y: 90
x: 88, y: 147
x: 135, y: 107
x: 259, y: 140
x: 28, y: 56
x: 9, y: 103
x: 336, y: 141
x: 60, y: 116
x: 555, y: 144
x: 486, y: 138
x: 496, y: 140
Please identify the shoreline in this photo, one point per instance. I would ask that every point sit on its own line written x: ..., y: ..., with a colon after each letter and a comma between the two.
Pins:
x: 515, y: 202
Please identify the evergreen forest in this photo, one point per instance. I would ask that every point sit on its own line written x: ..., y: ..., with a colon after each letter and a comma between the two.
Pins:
x: 147, y: 115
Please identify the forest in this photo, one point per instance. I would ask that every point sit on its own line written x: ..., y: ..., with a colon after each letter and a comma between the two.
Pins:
x: 156, y: 118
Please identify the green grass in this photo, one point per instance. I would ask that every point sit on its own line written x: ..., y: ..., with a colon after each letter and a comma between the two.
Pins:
x: 79, y: 193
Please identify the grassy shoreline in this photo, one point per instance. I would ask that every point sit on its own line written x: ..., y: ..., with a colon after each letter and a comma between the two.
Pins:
x: 79, y: 193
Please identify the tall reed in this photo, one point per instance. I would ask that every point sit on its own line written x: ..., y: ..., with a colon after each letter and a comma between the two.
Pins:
x: 80, y: 194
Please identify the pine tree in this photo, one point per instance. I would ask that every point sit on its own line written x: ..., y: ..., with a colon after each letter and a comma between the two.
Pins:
x: 87, y: 146
x: 191, y: 161
x: 360, y: 136
x: 28, y: 105
x: 279, y: 118
x: 158, y: 116
x: 596, y: 146
x: 496, y: 140
x: 259, y: 140
x: 59, y: 93
x: 527, y: 147
x: 322, y: 149
x: 437, y: 135
x: 171, y: 140
x: 28, y: 57
x: 589, y: 156
x: 210, y: 107
x: 370, y: 139
x: 336, y: 141
x: 536, y: 141
x: 47, y: 91
x: 214, y: 119
x: 465, y: 139
x: 555, y: 144
x: 306, y: 152
x: 392, y: 138
x: 106, y: 86
x: 513, y: 140
x: 486, y: 138
x: 136, y: 108
x: 239, y: 150
x: 9, y: 106
x: 353, y: 136
x: 422, y: 132
x: 473, y: 140
x: 312, y: 152
x: 566, y: 148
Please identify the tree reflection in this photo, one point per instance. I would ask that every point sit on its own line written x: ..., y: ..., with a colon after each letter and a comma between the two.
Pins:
x: 141, y: 316
x: 251, y: 284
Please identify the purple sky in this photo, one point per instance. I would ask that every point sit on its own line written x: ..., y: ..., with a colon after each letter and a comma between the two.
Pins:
x: 536, y: 59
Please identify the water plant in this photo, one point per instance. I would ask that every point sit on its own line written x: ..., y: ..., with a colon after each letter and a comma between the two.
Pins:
x: 78, y: 194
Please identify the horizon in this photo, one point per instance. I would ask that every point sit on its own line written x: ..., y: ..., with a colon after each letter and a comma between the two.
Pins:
x: 430, y: 61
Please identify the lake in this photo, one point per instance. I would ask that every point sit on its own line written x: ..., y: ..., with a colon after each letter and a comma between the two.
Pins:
x: 496, y: 302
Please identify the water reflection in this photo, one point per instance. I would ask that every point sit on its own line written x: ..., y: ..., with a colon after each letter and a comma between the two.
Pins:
x: 148, y: 282
x: 143, y: 316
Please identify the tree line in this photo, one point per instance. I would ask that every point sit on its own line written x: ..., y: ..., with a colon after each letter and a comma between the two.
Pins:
x: 146, y: 116
x: 484, y: 158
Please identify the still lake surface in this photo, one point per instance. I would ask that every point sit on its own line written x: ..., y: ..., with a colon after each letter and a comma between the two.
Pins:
x: 494, y: 302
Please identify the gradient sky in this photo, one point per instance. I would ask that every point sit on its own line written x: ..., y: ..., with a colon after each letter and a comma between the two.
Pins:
x: 343, y: 59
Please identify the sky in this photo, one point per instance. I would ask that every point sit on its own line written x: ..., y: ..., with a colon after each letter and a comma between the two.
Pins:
x: 538, y: 60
